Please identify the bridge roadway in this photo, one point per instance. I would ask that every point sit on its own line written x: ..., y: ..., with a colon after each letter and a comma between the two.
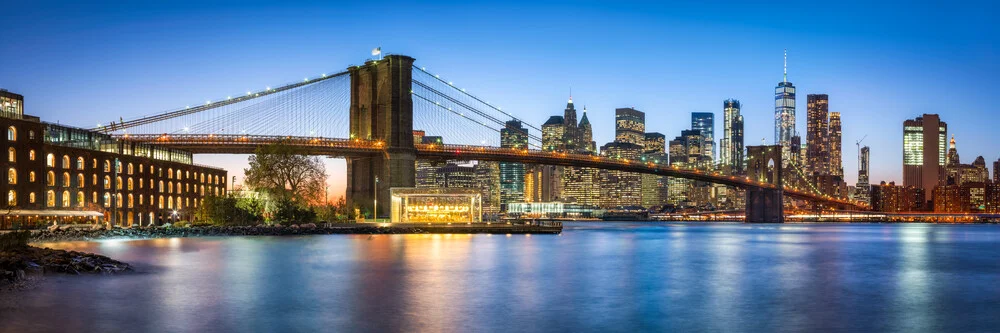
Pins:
x: 335, y: 147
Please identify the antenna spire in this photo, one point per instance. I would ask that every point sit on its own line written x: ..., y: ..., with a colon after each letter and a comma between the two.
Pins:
x: 786, y: 67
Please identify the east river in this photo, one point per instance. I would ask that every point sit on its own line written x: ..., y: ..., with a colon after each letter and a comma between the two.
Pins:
x: 594, y: 277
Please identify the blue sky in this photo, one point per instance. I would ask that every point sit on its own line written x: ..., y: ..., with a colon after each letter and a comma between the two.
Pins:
x: 880, y: 62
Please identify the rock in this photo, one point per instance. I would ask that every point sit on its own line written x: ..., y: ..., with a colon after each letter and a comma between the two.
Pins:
x: 166, y: 225
x: 276, y: 225
x: 53, y: 227
x: 308, y: 226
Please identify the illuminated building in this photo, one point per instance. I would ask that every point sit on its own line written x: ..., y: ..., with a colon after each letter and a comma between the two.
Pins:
x: 817, y: 135
x: 891, y: 198
x: 862, y: 190
x: 654, y: 187
x: 957, y: 173
x: 654, y: 143
x: 705, y: 122
x: 992, y: 198
x: 68, y: 174
x: 553, y: 134
x: 619, y: 188
x: 572, y: 140
x: 488, y: 182
x: 952, y: 199
x: 455, y: 176
x: 514, y: 136
x: 784, y: 113
x: 550, y: 210
x: 435, y: 205
x: 996, y: 172
x: 587, y: 134
x: 426, y: 169
x: 731, y: 144
x: 836, y: 166
x: 924, y: 140
x: 630, y: 126
x: 686, y: 151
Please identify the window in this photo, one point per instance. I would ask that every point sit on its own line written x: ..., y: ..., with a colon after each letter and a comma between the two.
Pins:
x: 140, y: 168
x: 50, y: 179
x: 94, y: 177
x: 65, y: 164
x: 107, y: 199
x: 94, y: 197
x: 79, y: 163
x: 80, y: 180
x: 118, y: 200
x: 107, y: 166
x: 50, y: 160
x: 31, y: 155
x: 178, y: 174
x: 11, y: 198
x: 65, y: 177
x: 31, y: 177
x: 11, y: 133
x: 11, y: 155
x: 118, y: 183
x: 130, y: 200
x: 130, y: 168
x: 170, y: 187
x: 80, y: 199
x: 170, y: 202
x: 107, y: 182
x: 11, y: 176
x: 65, y: 199
x: 93, y: 164
x: 170, y: 173
x: 31, y: 197
x: 50, y: 198
x: 161, y: 202
x: 161, y: 186
x: 129, y: 183
x: 140, y: 200
x: 31, y: 134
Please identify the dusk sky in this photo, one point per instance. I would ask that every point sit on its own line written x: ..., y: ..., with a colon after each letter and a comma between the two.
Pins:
x: 881, y: 63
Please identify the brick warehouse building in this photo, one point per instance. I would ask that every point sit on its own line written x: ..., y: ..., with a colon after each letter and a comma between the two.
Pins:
x: 73, y: 175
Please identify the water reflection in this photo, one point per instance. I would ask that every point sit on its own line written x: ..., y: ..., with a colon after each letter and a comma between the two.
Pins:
x: 593, y: 277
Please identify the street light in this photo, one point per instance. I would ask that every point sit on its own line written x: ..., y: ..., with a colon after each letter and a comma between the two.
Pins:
x: 375, y: 201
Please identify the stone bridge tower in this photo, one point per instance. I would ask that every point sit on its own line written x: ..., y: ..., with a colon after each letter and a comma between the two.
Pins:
x: 382, y: 110
x: 765, y: 205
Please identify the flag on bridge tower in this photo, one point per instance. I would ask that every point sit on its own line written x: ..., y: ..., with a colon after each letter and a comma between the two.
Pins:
x: 377, y: 52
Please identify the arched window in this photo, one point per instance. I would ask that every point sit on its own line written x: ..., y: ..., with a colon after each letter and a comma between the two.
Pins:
x: 187, y: 174
x: 11, y: 198
x: 130, y: 201
x: 94, y: 196
x: 65, y: 177
x: 50, y: 179
x: 140, y: 200
x: 161, y: 202
x: 118, y: 183
x: 107, y: 199
x: 79, y: 163
x: 93, y: 163
x: 31, y: 176
x: 65, y: 163
x: 50, y: 198
x: 118, y: 200
x: 31, y: 197
x: 107, y: 182
x: 11, y: 154
x: 11, y: 133
x: 31, y: 134
x: 170, y: 187
x: 50, y: 160
x: 31, y: 155
x: 94, y: 178
x: 65, y: 199
x: 170, y: 202
x: 130, y: 168
x: 161, y: 186
x: 203, y: 190
x: 107, y: 166
x: 11, y: 176
x: 129, y: 183
x: 80, y: 199
x: 140, y: 167
x: 80, y: 180
x: 178, y: 175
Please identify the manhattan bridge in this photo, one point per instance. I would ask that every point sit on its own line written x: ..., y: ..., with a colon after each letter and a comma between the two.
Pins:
x: 367, y: 115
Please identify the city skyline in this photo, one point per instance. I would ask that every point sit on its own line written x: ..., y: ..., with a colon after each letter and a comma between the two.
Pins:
x: 114, y: 77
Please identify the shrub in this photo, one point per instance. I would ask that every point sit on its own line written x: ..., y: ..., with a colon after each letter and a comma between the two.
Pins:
x: 13, y: 240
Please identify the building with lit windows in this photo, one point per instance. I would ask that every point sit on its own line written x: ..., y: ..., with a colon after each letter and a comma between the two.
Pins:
x: 862, y: 190
x: 551, y: 210
x: 427, y: 169
x: 731, y: 144
x: 435, y: 205
x: 817, y: 135
x: 784, y: 114
x: 630, y: 126
x: 705, y: 122
x: 513, y: 136
x: 924, y: 140
x: 834, y: 139
x: 67, y: 174
x: 620, y: 188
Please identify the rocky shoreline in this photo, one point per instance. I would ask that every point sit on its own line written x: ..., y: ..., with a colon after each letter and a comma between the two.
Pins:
x: 61, y: 235
x: 18, y: 264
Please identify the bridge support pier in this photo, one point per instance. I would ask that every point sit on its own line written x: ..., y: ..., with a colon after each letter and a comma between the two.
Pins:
x: 381, y: 110
x: 764, y: 206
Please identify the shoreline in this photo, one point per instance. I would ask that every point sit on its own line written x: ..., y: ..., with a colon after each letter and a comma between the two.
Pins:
x: 24, y: 266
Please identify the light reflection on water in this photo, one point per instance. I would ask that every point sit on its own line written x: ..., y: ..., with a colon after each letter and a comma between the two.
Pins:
x: 593, y: 277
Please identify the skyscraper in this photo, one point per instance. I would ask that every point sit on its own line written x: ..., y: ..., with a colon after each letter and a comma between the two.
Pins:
x: 586, y: 134
x: 571, y: 135
x: 705, y: 122
x: 836, y: 152
x: 553, y: 134
x: 581, y: 185
x: 512, y: 173
x: 996, y: 171
x: 863, y: 187
x: 817, y: 135
x: 630, y: 126
x: 620, y: 188
x: 731, y: 144
x: 924, y: 140
x: 784, y: 114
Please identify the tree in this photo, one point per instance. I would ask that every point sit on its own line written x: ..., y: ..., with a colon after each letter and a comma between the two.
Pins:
x: 230, y: 210
x: 284, y: 172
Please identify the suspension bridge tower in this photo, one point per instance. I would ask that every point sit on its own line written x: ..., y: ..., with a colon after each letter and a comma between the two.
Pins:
x: 381, y: 110
x: 765, y: 205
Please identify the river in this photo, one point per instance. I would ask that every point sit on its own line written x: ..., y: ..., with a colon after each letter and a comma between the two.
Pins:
x: 603, y: 277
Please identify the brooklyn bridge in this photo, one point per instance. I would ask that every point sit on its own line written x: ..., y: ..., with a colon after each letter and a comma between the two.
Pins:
x: 367, y: 115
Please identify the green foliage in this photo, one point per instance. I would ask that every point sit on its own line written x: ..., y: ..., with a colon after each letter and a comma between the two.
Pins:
x: 230, y: 210
x: 13, y: 240
x: 333, y: 212
x: 284, y: 172
x: 287, y: 211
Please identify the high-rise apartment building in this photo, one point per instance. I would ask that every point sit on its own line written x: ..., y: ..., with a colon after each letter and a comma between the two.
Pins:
x: 924, y: 140
x: 862, y: 190
x: 705, y: 122
x: 996, y: 172
x: 630, y: 126
x: 620, y: 188
x: 553, y: 134
x: 731, y: 144
x: 817, y: 135
x: 836, y: 166
x: 784, y: 114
